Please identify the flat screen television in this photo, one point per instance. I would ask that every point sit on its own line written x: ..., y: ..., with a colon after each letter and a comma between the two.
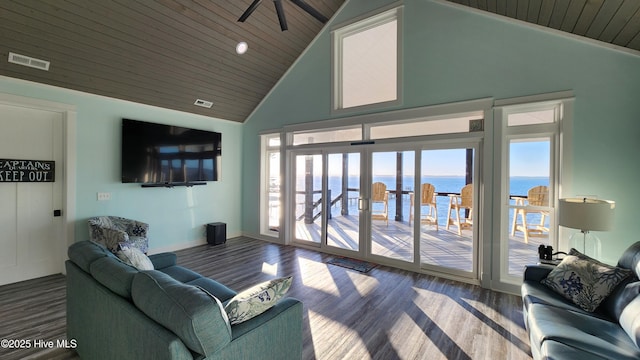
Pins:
x: 164, y: 154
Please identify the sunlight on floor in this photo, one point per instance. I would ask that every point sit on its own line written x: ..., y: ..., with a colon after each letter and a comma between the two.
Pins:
x: 311, y: 270
x: 399, y: 336
x: 364, y: 284
x: 341, y: 336
x: 270, y: 269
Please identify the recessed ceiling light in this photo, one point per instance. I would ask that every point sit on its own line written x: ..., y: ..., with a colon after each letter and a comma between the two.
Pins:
x: 242, y: 47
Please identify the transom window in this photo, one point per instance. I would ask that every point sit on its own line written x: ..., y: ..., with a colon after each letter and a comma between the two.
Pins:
x: 366, y: 66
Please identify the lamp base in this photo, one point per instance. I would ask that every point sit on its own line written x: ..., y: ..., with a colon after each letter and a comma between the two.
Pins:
x: 587, y: 243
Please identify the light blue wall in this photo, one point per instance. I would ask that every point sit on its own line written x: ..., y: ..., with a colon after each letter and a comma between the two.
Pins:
x: 453, y: 54
x: 176, y: 216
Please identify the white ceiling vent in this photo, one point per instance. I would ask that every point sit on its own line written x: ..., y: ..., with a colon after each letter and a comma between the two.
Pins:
x: 28, y: 61
x: 203, y: 103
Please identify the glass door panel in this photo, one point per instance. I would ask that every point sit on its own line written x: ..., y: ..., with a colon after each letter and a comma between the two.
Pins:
x: 529, y: 207
x: 343, y: 224
x: 273, y: 191
x: 308, y: 198
x: 392, y: 184
x: 446, y: 208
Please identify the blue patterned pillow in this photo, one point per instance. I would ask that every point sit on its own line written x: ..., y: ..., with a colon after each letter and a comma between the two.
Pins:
x: 256, y: 300
x: 586, y: 283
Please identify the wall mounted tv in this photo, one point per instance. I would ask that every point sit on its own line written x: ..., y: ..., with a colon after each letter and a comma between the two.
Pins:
x: 165, y: 155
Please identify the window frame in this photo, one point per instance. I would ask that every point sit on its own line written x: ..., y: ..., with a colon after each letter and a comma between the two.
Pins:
x: 265, y: 153
x: 560, y: 137
x: 391, y: 13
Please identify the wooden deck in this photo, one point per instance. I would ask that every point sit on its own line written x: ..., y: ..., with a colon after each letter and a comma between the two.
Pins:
x: 442, y: 247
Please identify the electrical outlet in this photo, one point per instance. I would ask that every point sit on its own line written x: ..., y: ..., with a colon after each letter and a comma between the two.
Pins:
x: 103, y: 196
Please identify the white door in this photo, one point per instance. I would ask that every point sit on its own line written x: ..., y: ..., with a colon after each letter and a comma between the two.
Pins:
x: 30, y: 234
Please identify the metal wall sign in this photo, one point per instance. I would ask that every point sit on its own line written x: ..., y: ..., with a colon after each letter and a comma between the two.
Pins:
x: 27, y: 170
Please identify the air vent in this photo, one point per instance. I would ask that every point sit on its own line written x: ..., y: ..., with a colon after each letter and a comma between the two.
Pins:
x: 28, y: 61
x: 203, y: 103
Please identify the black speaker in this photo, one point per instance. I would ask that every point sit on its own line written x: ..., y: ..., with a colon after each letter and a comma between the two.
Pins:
x: 216, y: 233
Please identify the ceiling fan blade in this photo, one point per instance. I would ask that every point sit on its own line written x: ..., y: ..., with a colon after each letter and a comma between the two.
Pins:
x: 281, y: 18
x: 249, y: 10
x: 309, y: 9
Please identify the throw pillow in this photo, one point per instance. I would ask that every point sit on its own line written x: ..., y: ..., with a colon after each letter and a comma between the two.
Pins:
x: 586, y: 283
x: 134, y: 257
x: 256, y: 300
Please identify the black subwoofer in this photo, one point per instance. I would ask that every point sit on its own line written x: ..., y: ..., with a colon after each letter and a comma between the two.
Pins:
x: 216, y: 233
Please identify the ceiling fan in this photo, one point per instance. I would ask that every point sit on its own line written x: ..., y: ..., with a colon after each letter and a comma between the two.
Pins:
x: 280, y: 11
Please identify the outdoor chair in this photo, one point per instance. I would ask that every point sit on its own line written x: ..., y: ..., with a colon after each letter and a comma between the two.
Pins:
x: 536, y: 196
x: 380, y: 195
x: 428, y: 199
x: 464, y: 202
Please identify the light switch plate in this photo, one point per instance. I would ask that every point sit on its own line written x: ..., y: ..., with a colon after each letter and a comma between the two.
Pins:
x: 103, y: 196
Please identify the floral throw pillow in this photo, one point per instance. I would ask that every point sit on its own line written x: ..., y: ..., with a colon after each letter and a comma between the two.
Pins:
x: 134, y: 257
x: 583, y: 281
x: 256, y: 300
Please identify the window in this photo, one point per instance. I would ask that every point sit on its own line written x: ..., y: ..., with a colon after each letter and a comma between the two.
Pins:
x: 420, y: 127
x: 270, y: 183
x: 530, y: 162
x: 366, y: 61
x: 352, y: 133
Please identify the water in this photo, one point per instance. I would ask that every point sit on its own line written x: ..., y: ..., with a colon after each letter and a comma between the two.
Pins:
x: 443, y: 184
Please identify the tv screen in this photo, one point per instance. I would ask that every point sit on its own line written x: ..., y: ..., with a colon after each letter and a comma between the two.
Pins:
x: 165, y: 154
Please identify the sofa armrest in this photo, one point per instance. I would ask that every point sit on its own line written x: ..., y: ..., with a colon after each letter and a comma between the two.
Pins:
x: 537, y: 272
x: 274, y: 334
x: 163, y: 260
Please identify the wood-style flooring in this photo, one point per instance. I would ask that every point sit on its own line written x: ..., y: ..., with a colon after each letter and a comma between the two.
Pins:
x: 384, y: 314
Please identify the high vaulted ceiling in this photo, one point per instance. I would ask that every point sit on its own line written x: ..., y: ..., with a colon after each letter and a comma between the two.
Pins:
x: 611, y: 21
x: 168, y: 53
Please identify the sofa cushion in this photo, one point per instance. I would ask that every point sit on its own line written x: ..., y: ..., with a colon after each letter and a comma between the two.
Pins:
x: 586, y: 283
x: 630, y: 258
x: 180, y: 273
x: 163, y: 260
x: 558, y: 351
x: 83, y: 253
x: 256, y: 299
x: 620, y: 297
x: 134, y: 257
x: 214, y: 288
x: 190, y: 312
x: 534, y: 292
x: 114, y: 274
x: 630, y: 320
x: 578, y: 330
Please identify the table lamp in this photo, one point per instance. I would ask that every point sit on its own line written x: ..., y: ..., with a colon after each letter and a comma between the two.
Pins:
x: 586, y: 215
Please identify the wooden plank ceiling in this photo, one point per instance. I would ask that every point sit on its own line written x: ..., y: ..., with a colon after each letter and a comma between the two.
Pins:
x: 165, y: 53
x: 615, y: 22
x: 168, y: 53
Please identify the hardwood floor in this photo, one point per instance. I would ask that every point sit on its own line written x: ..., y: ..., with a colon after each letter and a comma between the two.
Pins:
x: 384, y: 314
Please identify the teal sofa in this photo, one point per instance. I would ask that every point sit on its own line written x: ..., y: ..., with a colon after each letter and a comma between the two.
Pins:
x: 115, y: 311
x: 559, y: 329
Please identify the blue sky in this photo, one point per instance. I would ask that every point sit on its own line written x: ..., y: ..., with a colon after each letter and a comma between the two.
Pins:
x: 528, y: 158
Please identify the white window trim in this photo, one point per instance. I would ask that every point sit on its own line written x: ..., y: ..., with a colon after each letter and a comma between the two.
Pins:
x: 389, y: 13
x: 560, y: 132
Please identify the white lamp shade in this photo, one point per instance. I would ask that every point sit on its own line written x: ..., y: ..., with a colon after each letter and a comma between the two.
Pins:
x: 586, y: 214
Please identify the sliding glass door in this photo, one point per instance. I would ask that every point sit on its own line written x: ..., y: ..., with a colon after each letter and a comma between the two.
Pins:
x: 343, y: 192
x: 308, y: 193
x: 447, y: 204
x: 392, y: 182
x: 327, y: 197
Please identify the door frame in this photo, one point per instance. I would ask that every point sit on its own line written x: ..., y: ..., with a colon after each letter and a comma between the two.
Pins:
x: 69, y: 116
